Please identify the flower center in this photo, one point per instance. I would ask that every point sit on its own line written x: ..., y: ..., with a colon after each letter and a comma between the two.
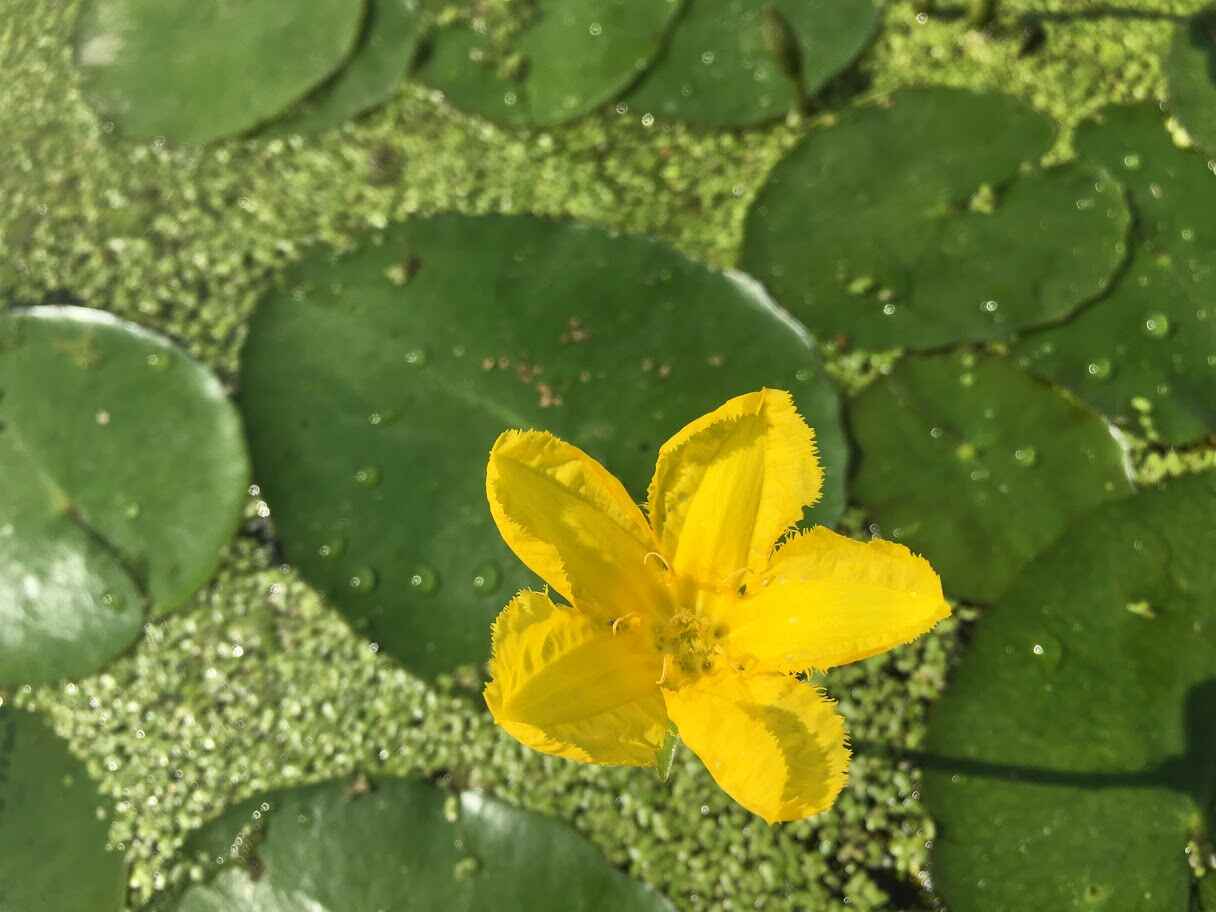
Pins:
x: 690, y: 644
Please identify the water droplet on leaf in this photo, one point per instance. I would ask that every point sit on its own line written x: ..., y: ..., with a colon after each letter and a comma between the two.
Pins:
x: 424, y: 580
x: 1157, y: 325
x: 367, y: 476
x: 486, y: 578
x: 363, y: 581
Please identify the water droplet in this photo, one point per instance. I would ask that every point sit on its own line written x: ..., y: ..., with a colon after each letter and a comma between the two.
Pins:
x: 416, y: 357
x: 363, y: 580
x: 1100, y: 368
x: 424, y: 580
x: 936, y: 433
x: 466, y: 868
x: 888, y: 309
x: 331, y: 548
x: 1025, y: 456
x: 158, y: 361
x: 367, y: 476
x: 486, y: 578
x: 112, y: 601
x: 1046, y: 651
x: 990, y: 306
x: 1157, y: 325
x: 804, y: 374
x: 132, y: 510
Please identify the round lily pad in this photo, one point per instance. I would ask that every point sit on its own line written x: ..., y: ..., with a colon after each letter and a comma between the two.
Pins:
x: 746, y: 61
x: 125, y: 472
x: 1072, y: 757
x: 53, y: 826
x: 193, y: 71
x: 559, y: 61
x: 1145, y: 355
x: 399, y: 844
x: 1190, y: 68
x: 978, y: 466
x: 918, y: 223
x: 387, y: 44
x: 374, y: 385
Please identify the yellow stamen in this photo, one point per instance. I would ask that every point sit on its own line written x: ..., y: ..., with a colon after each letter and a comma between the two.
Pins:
x: 621, y: 620
x: 666, y: 665
x: 657, y: 556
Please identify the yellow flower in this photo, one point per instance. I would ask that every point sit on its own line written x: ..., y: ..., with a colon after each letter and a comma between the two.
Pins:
x: 699, y: 617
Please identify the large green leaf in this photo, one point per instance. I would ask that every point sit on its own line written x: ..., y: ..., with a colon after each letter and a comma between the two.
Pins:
x: 746, y: 61
x: 391, y: 34
x: 197, y: 70
x: 124, y: 474
x: 912, y: 225
x: 1147, y: 351
x: 53, y: 826
x: 568, y: 58
x: 978, y: 466
x: 1190, y: 68
x: 1074, y: 754
x: 404, y: 845
x: 374, y: 384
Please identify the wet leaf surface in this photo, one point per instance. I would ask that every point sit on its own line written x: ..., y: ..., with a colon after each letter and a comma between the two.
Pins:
x: 373, y: 386
x: 978, y: 466
x: 192, y: 72
x: 1145, y: 354
x: 399, y: 844
x: 571, y: 57
x: 388, y: 42
x: 124, y: 475
x: 53, y: 826
x: 1074, y: 755
x: 915, y: 225
x: 747, y: 61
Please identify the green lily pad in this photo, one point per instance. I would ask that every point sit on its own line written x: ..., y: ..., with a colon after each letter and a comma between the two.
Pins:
x: 978, y: 466
x: 914, y: 225
x: 390, y: 38
x: 1190, y: 68
x: 125, y: 470
x: 1146, y: 353
x: 403, y: 845
x: 746, y: 61
x: 196, y: 70
x: 53, y: 826
x: 569, y: 57
x: 373, y: 386
x: 1074, y: 754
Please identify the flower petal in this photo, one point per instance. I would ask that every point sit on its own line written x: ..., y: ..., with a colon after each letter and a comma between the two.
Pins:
x: 830, y: 600
x: 565, y: 684
x: 729, y: 483
x: 774, y: 744
x: 573, y: 524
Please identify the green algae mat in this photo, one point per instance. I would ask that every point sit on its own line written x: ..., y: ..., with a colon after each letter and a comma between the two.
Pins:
x: 271, y: 285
